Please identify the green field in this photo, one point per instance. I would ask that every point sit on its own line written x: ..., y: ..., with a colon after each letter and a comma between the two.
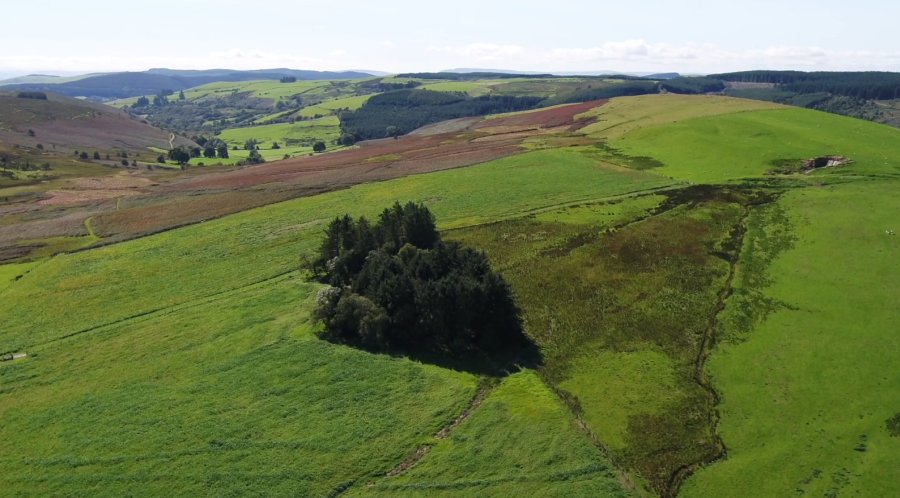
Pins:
x: 302, y: 133
x: 269, y: 89
x: 9, y: 273
x: 329, y: 107
x: 808, y: 364
x: 224, y: 396
x: 473, y: 88
x: 267, y: 332
x: 187, y: 363
x: 543, y: 457
x: 721, y: 148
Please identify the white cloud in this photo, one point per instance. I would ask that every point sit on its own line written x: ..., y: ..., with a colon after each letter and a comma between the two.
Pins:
x: 231, y: 59
x: 640, y: 55
x: 631, y: 55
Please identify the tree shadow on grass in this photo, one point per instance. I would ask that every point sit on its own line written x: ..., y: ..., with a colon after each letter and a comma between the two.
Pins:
x: 509, y: 360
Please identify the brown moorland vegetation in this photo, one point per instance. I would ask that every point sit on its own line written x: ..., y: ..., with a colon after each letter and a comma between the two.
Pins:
x: 164, y: 200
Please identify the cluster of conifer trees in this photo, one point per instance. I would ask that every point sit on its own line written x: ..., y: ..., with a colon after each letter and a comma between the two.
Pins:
x: 396, y: 286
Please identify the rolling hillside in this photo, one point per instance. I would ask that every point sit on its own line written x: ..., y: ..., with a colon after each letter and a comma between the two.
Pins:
x: 716, y: 318
x: 65, y: 124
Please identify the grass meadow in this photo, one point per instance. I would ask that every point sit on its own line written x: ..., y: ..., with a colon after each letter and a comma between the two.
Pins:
x: 287, y: 135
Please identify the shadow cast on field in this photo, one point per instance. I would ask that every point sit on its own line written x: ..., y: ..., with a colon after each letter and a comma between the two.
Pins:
x: 512, y: 359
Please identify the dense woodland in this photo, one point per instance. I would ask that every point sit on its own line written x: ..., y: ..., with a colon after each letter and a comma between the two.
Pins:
x: 865, y: 85
x: 692, y: 85
x: 396, y: 113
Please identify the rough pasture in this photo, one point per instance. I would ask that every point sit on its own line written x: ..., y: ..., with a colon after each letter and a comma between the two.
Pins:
x: 170, y: 203
x: 545, y: 118
x: 64, y: 124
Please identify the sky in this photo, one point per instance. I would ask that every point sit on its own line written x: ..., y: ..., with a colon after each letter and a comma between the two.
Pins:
x: 690, y: 36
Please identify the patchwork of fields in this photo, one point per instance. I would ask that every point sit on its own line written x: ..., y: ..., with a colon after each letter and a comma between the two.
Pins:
x: 707, y: 329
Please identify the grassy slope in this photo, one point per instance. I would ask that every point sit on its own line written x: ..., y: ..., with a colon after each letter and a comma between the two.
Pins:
x: 325, y: 129
x: 330, y: 106
x: 197, y: 367
x: 12, y: 272
x: 806, y: 396
x: 806, y: 392
x: 541, y: 456
x: 717, y: 149
x: 201, y: 257
x: 264, y: 88
x: 473, y: 88
x: 225, y: 396
x: 623, y: 115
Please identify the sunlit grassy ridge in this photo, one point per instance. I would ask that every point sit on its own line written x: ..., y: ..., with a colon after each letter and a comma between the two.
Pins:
x: 623, y: 115
x: 745, y: 144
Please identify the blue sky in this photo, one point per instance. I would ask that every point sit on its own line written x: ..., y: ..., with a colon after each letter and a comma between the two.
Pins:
x: 400, y: 35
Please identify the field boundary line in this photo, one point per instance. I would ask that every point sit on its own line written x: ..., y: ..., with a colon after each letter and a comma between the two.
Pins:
x: 165, y: 310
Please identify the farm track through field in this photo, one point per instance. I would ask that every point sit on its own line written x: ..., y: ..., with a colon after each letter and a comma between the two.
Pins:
x: 578, y: 415
x: 484, y: 390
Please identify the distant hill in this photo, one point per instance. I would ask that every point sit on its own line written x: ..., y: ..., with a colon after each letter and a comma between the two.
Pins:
x: 62, y: 124
x: 663, y: 76
x: 133, y: 84
x: 44, y: 78
x: 602, y: 72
